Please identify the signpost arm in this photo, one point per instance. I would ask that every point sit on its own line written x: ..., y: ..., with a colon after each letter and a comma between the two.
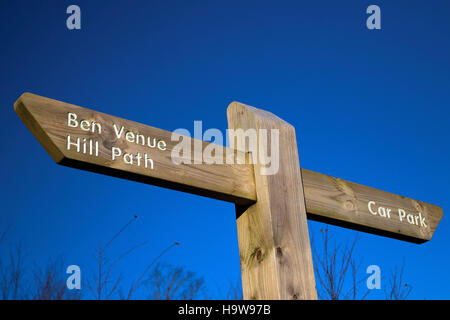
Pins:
x: 274, y: 246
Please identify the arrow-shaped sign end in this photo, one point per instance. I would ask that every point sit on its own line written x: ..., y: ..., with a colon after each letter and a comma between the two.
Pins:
x: 27, y: 108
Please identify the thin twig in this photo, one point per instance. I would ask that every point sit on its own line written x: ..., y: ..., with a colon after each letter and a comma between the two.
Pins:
x: 138, y: 282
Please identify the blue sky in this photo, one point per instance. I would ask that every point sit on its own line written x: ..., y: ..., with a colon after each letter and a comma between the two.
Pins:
x: 368, y: 106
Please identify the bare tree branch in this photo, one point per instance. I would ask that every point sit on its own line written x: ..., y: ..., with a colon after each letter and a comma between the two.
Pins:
x: 138, y: 282
x: 332, y: 265
x: 172, y: 283
x: 397, y: 289
x: 50, y: 283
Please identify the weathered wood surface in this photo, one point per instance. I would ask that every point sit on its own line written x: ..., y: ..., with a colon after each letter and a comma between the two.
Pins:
x: 274, y: 246
x: 328, y: 199
x: 351, y: 205
x: 47, y: 119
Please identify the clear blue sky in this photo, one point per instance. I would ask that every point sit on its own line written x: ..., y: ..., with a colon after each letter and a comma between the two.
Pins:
x: 371, y: 107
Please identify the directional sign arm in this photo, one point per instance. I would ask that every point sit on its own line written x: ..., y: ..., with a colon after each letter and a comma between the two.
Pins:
x: 354, y: 206
x: 47, y: 119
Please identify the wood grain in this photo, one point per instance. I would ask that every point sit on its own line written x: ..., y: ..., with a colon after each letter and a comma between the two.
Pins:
x: 274, y: 244
x: 47, y: 120
x: 344, y: 203
x: 328, y: 199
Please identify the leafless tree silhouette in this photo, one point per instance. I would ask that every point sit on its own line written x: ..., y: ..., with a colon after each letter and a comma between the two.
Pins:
x: 167, y: 282
x: 50, y: 283
x: 139, y: 281
x: 334, y: 265
x: 47, y: 284
x: 397, y: 288
x: 104, y: 286
x: 337, y: 269
x: 12, y: 274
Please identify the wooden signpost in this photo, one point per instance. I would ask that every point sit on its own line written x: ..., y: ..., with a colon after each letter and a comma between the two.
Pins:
x: 271, y: 210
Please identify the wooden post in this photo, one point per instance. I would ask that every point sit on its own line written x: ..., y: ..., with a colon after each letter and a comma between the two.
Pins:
x: 274, y: 246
